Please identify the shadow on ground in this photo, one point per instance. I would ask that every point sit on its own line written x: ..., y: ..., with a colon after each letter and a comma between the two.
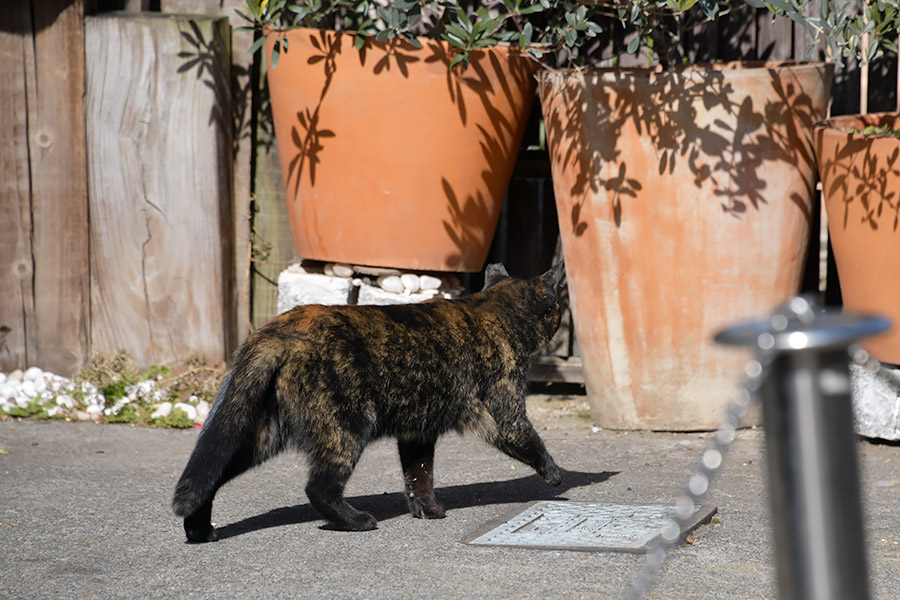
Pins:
x: 388, y: 506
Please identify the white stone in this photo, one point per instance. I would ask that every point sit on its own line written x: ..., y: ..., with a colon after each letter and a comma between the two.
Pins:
x: 188, y: 409
x: 341, y: 270
x: 202, y: 409
x: 876, y: 402
x: 65, y: 400
x: 40, y: 385
x: 22, y: 401
x: 391, y: 283
x: 296, y: 268
x: 32, y: 374
x: 14, y: 375
x: 82, y: 416
x: 7, y: 391
x: 410, y: 282
x: 94, y: 410
x: 328, y: 269
x: 28, y: 388
x: 2, y: 377
x: 299, y: 289
x: 374, y: 295
x: 375, y: 271
x: 162, y: 411
x: 429, y: 282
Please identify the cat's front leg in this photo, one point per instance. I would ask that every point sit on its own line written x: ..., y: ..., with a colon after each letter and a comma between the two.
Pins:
x: 520, y: 441
x: 417, y: 460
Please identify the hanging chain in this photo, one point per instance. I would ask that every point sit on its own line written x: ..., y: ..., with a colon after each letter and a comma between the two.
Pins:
x: 710, y: 462
x: 872, y: 365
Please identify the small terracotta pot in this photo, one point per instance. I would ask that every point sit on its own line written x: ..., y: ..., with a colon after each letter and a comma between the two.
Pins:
x: 390, y: 158
x: 684, y: 200
x: 861, y: 184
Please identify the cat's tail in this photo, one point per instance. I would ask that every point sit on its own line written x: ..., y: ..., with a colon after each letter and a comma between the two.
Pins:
x: 249, y: 381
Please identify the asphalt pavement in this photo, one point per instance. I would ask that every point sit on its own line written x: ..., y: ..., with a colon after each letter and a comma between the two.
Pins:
x: 84, y: 513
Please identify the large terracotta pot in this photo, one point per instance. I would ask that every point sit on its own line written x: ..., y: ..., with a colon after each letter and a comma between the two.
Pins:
x: 684, y: 201
x: 390, y: 158
x: 861, y: 185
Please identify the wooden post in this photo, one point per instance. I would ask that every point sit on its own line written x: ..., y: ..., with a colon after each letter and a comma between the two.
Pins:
x: 159, y: 123
x: 242, y: 86
x: 737, y: 35
x: 271, y: 227
x: 17, y: 336
x: 261, y: 210
x: 774, y: 37
x: 43, y: 193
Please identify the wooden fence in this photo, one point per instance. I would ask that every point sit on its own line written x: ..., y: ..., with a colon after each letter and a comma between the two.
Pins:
x: 141, y: 203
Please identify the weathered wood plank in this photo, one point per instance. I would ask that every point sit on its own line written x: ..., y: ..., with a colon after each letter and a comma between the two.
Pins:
x: 774, y: 37
x: 882, y: 92
x: 56, y: 141
x: 271, y: 228
x: 737, y: 35
x: 17, y: 332
x: 804, y: 46
x: 158, y: 111
x: 557, y: 370
x: 241, y: 103
x: 702, y: 43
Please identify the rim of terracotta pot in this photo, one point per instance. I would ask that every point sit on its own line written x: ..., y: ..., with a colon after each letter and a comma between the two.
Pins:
x: 656, y: 71
x: 843, y: 123
x: 503, y: 47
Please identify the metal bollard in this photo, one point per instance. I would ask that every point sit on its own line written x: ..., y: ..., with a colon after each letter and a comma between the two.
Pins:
x: 811, y: 448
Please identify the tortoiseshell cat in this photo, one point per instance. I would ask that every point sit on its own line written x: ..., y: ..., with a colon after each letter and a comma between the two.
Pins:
x: 329, y: 380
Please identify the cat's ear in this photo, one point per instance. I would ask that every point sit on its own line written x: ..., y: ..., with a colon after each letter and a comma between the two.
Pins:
x: 556, y: 276
x: 552, y: 282
x: 493, y: 274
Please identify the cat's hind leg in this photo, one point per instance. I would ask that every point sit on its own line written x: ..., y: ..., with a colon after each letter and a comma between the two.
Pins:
x: 417, y: 460
x: 325, y: 489
x: 198, y: 525
x: 519, y: 440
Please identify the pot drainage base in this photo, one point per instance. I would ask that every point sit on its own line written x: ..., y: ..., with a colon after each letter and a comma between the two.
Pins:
x: 585, y: 526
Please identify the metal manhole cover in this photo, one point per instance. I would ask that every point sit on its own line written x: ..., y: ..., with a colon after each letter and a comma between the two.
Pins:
x: 585, y: 526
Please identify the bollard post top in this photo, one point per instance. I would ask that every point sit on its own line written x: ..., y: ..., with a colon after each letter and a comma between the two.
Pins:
x: 800, y: 324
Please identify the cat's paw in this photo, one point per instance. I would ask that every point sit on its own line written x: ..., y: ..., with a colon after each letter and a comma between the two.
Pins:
x: 435, y: 511
x: 552, y: 475
x: 199, y: 534
x: 362, y: 521
x: 426, y: 510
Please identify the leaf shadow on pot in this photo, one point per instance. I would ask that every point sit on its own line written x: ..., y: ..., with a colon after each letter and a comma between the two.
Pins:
x: 700, y: 123
x: 392, y: 505
x: 458, y: 154
x: 481, y: 90
x: 307, y: 133
x: 861, y: 172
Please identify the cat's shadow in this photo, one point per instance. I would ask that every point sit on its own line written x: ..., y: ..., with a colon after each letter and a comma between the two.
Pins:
x: 388, y: 506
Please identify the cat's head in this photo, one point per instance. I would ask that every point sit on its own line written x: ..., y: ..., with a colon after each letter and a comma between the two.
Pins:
x: 540, y: 297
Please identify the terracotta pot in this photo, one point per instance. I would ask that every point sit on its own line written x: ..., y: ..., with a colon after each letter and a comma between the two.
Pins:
x: 861, y: 184
x: 684, y: 201
x: 390, y: 158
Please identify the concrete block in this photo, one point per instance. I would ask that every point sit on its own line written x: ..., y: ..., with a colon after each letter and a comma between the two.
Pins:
x: 300, y: 285
x: 876, y: 402
x: 372, y: 294
x: 297, y: 288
